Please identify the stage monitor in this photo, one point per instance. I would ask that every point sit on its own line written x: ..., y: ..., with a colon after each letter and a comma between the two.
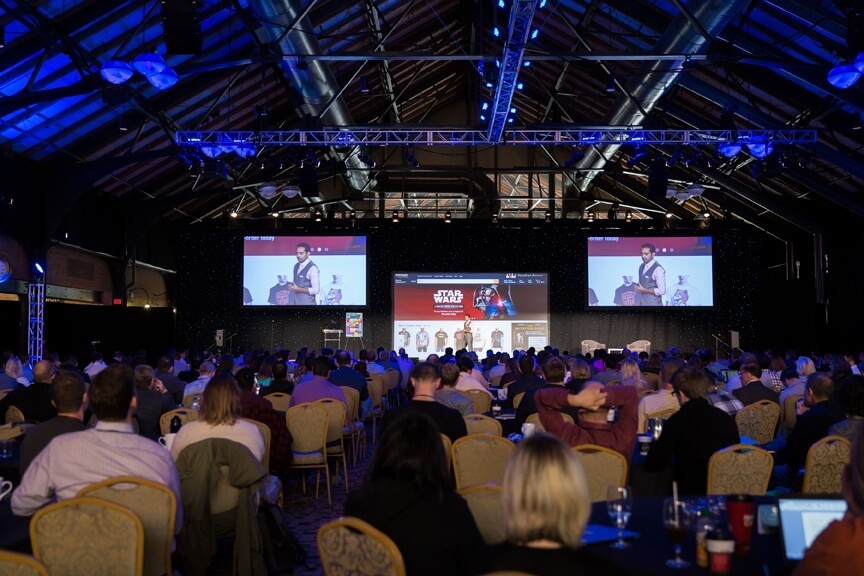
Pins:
x: 304, y: 271
x: 650, y: 271
x: 508, y: 310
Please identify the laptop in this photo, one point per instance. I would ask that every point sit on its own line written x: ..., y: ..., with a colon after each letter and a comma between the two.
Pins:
x: 726, y: 374
x: 802, y: 519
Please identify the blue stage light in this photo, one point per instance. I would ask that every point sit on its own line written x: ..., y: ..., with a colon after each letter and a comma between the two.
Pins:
x: 117, y: 71
x: 496, y: 32
x: 843, y: 76
x: 729, y: 149
x: 760, y: 149
x: 39, y: 268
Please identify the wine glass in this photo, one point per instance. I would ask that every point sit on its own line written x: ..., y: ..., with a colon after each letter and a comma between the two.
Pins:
x: 676, y: 520
x: 619, y: 502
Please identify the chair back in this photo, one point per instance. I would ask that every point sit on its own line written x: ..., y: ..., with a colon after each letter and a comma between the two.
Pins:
x: 14, y: 414
x: 17, y: 564
x: 190, y: 400
x: 640, y: 346
x: 484, y: 501
x: 661, y: 414
x: 603, y: 467
x: 154, y: 504
x: 826, y: 460
x: 376, y: 389
x: 3, y: 393
x: 495, y: 382
x: 591, y: 345
x: 517, y: 399
x: 448, y: 445
x: 308, y: 423
x: 88, y: 536
x: 336, y: 420
x: 535, y: 419
x: 391, y: 376
x: 790, y: 416
x: 480, y: 458
x: 266, y: 436
x: 740, y: 469
x: 481, y: 400
x: 480, y: 424
x: 185, y: 414
x: 279, y: 400
x: 758, y: 421
x: 351, y: 546
x: 652, y: 379
x: 353, y: 397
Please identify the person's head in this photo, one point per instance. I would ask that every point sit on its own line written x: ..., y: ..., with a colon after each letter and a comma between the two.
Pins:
x: 383, y: 356
x: 690, y: 383
x: 425, y: 376
x: 265, y: 370
x: 648, y: 252
x: 220, y: 403
x: 776, y: 363
x: 852, y: 395
x: 343, y: 359
x: 750, y: 372
x: 143, y: 375
x: 226, y: 364
x: 245, y: 378
x: 839, y: 366
x: 207, y: 368
x: 465, y: 364
x: 68, y: 392
x: 630, y: 371
x: 554, y: 370
x: 819, y: 388
x: 434, y: 359
x: 410, y: 451
x: 805, y: 366
x: 467, y: 316
x: 579, y: 369
x: 13, y: 368
x: 668, y: 368
x: 165, y: 364
x: 449, y: 375
x: 853, y: 476
x: 112, y: 393
x: 610, y: 361
x: 653, y: 359
x: 526, y: 364
x: 322, y: 366
x: 545, y: 494
x: 94, y: 357
x: 303, y: 251
x: 788, y: 376
x: 43, y: 371
x: 280, y: 370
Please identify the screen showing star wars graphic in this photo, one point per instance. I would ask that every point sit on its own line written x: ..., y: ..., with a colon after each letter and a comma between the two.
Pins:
x: 500, y: 311
x: 650, y: 271
x: 304, y: 271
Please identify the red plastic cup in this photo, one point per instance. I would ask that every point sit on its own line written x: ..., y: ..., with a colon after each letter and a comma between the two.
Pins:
x: 741, y: 514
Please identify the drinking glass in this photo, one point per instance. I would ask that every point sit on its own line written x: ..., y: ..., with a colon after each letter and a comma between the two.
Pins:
x: 619, y: 503
x: 676, y: 520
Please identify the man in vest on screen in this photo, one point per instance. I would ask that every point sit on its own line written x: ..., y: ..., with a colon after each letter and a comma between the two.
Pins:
x: 652, y: 278
x: 306, y: 284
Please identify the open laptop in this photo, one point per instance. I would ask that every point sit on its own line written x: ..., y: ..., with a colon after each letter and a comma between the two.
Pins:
x: 726, y: 374
x: 802, y: 519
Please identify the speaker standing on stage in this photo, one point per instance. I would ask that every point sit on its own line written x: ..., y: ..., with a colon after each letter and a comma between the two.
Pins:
x: 306, y: 279
x: 468, y: 339
x: 652, y: 278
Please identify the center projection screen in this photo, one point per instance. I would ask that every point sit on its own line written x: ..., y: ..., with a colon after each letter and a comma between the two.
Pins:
x: 508, y: 309
x: 678, y: 270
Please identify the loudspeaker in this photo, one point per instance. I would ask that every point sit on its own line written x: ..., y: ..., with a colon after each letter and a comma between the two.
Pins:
x: 307, y: 181
x: 182, y: 26
x: 734, y: 341
x: 658, y: 179
x: 220, y: 337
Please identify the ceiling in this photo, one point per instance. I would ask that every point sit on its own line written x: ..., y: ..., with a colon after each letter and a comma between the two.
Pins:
x: 383, y: 64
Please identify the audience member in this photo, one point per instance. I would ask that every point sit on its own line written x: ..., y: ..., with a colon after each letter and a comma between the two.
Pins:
x: 256, y: 408
x: 16, y: 371
x: 752, y: 389
x: 206, y: 370
x: 280, y: 381
x: 345, y: 375
x: 720, y: 398
x: 318, y: 387
x: 609, y: 372
x: 191, y: 373
x: 527, y: 381
x: 467, y: 380
x: 852, y: 400
x: 96, y: 365
x: 153, y: 401
x: 663, y: 399
x: 34, y: 401
x: 448, y: 395
x: 579, y: 373
x: 554, y: 372
x: 631, y: 375
x: 165, y: 374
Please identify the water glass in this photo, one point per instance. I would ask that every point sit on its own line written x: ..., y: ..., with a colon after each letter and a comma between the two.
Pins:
x: 619, y: 503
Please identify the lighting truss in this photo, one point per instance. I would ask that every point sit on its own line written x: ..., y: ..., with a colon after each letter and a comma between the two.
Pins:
x: 356, y: 136
x: 518, y: 29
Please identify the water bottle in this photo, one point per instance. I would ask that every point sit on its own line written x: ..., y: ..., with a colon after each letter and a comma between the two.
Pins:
x: 257, y: 388
x: 176, y: 423
x: 196, y: 403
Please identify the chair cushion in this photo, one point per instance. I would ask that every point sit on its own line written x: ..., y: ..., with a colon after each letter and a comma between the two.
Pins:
x: 306, y: 458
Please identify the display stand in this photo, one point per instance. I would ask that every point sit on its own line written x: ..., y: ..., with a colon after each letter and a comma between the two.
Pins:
x: 331, y: 337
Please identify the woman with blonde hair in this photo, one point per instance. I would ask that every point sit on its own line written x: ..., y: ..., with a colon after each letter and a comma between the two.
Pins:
x: 580, y: 372
x: 546, y: 508
x: 631, y: 375
x: 805, y: 366
x: 220, y: 418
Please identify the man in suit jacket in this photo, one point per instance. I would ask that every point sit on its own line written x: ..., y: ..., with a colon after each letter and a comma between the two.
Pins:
x: 528, y: 380
x: 752, y: 389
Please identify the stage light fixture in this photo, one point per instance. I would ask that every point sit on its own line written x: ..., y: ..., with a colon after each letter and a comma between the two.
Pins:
x: 267, y: 190
x: 447, y: 216
x: 547, y: 216
x: 760, y: 150
x: 274, y: 214
x: 590, y: 216
x: 729, y: 149
x: 628, y: 216
x: 641, y: 154
x: 610, y: 82
x: 39, y: 268
x: 495, y: 218
x: 395, y: 216
x: 578, y: 154
x: 317, y: 215
x: 706, y: 213
x: 669, y: 215
x: 233, y: 213
x: 844, y: 75
x: 149, y: 64
x: 411, y: 159
x: 116, y: 71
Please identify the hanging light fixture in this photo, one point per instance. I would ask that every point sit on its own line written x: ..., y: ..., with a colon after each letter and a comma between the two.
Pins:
x: 116, y: 71
x: 729, y: 149
x: 149, y: 64
x: 164, y: 79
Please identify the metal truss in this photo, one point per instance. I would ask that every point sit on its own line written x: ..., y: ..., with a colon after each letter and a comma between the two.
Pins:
x: 518, y: 30
x: 356, y: 136
x: 36, y: 323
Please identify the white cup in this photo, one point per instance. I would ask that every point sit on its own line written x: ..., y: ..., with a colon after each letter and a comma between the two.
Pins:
x: 644, y: 441
x: 5, y: 487
x: 167, y: 440
x: 528, y: 429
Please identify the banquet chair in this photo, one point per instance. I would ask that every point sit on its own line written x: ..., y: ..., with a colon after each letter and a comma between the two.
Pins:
x: 603, y: 467
x: 309, y: 424
x: 3, y: 393
x: 154, y: 504
x: 354, y: 429
x: 661, y: 414
x: 480, y: 458
x: 518, y: 399
x: 591, y: 346
x: 495, y: 382
x: 640, y: 346
x: 279, y: 400
x: 740, y: 469
x: 266, y: 435
x: 652, y: 379
x: 185, y: 414
x: 758, y: 421
x: 480, y: 424
x: 448, y: 445
x: 823, y: 469
x: 17, y: 564
x: 535, y: 419
x: 790, y: 416
x: 189, y: 401
x: 88, y: 536
x: 481, y: 400
x: 351, y: 546
x: 14, y: 414
x: 335, y: 438
x: 376, y: 404
x: 484, y: 501
x: 391, y: 379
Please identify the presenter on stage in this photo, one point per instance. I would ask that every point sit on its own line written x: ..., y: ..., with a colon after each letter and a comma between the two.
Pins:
x: 306, y: 284
x: 652, y: 278
x: 467, y: 329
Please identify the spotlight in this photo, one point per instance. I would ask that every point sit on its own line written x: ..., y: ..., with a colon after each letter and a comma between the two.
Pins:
x: 669, y: 215
x: 590, y: 216
x: 447, y: 216
x: 495, y: 218
x: 365, y: 159
x: 628, y: 216
x: 267, y: 190
x: 395, y: 216
x: 844, y: 75
x: 411, y: 159
x: 640, y: 155
x: 317, y: 215
x: 39, y: 268
x: 548, y: 216
x: 706, y: 214
x: 233, y: 213
x: 352, y: 214
x: 274, y: 214
x: 729, y: 149
x: 760, y: 149
x: 610, y: 82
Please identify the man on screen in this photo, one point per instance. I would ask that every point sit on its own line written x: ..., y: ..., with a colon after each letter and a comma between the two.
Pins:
x: 652, y: 278
x: 683, y: 293
x: 306, y: 284
x: 280, y: 295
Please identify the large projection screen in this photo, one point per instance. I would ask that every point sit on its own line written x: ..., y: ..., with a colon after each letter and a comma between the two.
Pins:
x: 330, y: 270
x: 509, y: 310
x: 679, y: 271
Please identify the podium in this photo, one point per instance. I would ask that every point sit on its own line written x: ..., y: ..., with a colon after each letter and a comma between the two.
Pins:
x: 332, y: 339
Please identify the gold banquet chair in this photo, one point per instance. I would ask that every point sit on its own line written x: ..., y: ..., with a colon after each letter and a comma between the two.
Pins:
x: 484, y: 501
x: 448, y: 446
x: 14, y: 414
x: 826, y: 460
x: 535, y: 419
x: 185, y: 414
x: 480, y: 424
x: 335, y: 439
x: 481, y: 400
x: 354, y: 430
x: 88, y: 536
x: 740, y: 469
x: 603, y: 467
x: 309, y: 423
x: 480, y: 458
x: 758, y: 421
x: 154, y: 504
x: 279, y: 401
x: 376, y: 404
x: 518, y: 399
x: 17, y: 564
x: 789, y: 412
x: 266, y: 436
x: 351, y: 546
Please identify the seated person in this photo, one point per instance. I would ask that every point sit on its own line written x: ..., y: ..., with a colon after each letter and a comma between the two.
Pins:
x: 554, y: 372
x: 408, y: 497
x: 852, y: 400
x: 256, y: 408
x: 546, y: 507
x: 153, y: 401
x: 448, y: 395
